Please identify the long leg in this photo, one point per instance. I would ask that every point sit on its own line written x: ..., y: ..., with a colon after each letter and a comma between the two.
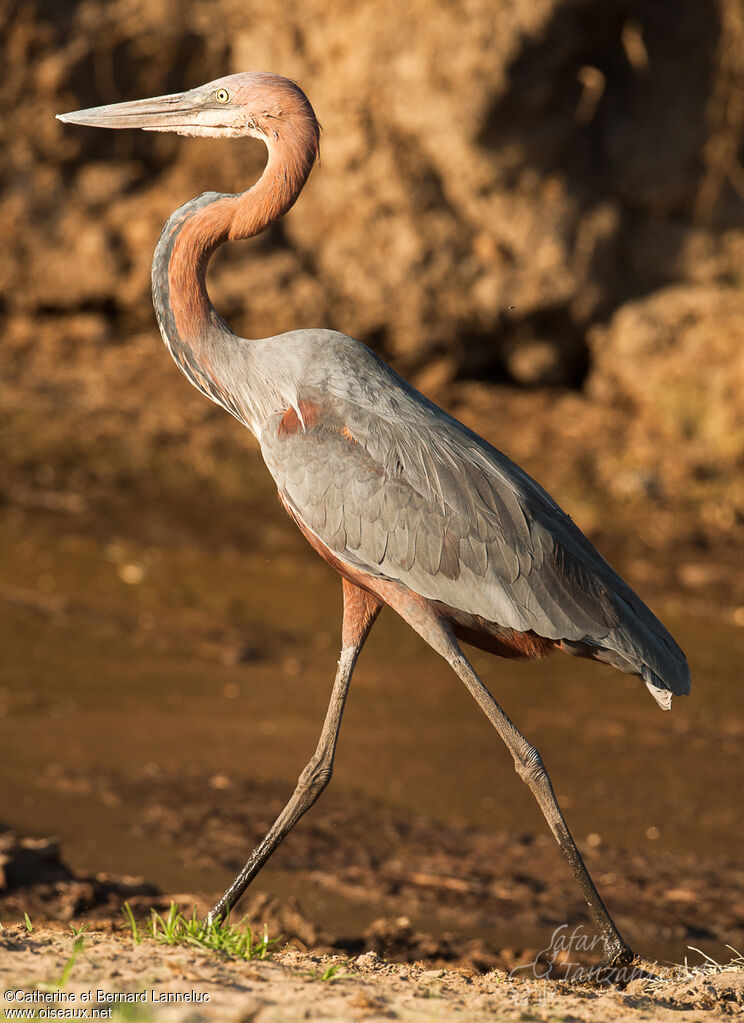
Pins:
x: 530, y: 768
x: 360, y: 610
x: 438, y: 634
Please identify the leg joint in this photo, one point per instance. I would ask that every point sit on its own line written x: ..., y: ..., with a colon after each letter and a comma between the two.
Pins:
x: 529, y: 765
x: 316, y: 774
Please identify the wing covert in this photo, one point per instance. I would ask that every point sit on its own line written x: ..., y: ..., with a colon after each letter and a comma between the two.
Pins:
x: 443, y: 525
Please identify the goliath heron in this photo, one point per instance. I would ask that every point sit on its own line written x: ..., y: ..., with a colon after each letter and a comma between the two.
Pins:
x: 410, y: 507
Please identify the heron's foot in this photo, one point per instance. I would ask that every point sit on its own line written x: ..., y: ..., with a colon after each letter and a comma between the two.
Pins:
x: 619, y: 967
x: 651, y: 969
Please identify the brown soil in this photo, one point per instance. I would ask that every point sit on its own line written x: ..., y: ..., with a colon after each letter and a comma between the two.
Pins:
x: 365, y: 982
x: 290, y: 986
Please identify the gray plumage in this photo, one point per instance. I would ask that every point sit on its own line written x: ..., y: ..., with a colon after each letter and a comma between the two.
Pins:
x: 412, y: 475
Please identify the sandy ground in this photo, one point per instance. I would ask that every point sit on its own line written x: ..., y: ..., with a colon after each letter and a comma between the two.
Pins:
x: 290, y: 987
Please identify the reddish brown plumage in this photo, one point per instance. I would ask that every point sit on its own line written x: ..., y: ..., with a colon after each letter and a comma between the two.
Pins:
x: 197, y: 239
x: 360, y: 610
x: 290, y: 422
x: 496, y: 639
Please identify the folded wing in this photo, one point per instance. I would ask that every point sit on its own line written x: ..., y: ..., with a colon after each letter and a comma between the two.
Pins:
x: 410, y: 494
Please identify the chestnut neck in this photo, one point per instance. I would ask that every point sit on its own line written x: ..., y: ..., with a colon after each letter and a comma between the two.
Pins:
x: 188, y: 321
x: 230, y: 218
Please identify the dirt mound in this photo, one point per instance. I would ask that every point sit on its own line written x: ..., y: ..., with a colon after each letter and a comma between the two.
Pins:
x: 675, y: 362
x: 500, y: 187
x: 552, y: 161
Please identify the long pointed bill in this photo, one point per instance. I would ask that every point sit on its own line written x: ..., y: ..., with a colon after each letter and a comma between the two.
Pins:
x: 161, y: 113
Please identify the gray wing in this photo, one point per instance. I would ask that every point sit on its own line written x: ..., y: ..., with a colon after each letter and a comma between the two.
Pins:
x: 405, y: 492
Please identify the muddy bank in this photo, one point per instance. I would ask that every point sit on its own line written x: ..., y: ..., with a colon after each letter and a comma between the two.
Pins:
x: 391, y: 969
x: 356, y: 876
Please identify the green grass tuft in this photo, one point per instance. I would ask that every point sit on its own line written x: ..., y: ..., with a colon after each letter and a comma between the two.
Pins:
x: 127, y: 911
x: 219, y: 936
x: 331, y: 972
x: 325, y: 976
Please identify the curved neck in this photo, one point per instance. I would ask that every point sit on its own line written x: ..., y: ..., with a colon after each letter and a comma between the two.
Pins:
x: 188, y: 321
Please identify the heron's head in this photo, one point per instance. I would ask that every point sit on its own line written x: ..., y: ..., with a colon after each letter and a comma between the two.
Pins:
x: 258, y: 104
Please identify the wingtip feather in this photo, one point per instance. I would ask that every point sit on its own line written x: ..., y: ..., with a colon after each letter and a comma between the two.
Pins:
x: 662, y: 696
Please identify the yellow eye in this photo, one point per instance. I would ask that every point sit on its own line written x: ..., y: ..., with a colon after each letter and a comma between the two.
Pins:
x: 222, y: 95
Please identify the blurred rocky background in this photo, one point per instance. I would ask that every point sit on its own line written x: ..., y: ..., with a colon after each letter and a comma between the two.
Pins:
x: 533, y: 208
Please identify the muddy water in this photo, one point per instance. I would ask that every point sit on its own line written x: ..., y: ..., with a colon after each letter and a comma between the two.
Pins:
x: 121, y: 656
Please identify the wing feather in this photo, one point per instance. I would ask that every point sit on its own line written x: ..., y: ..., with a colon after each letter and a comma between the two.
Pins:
x: 398, y: 488
x: 396, y: 524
